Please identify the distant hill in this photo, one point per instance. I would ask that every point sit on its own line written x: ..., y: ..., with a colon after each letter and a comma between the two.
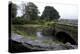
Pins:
x: 69, y: 21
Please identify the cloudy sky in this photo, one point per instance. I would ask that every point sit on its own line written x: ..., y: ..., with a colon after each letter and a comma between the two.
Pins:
x: 66, y: 9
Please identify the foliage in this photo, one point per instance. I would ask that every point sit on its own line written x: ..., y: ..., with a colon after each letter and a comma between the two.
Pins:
x: 50, y: 13
x: 19, y: 20
x: 30, y: 14
x: 31, y: 11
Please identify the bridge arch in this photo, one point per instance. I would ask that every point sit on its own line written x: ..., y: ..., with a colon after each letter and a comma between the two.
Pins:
x: 65, y: 37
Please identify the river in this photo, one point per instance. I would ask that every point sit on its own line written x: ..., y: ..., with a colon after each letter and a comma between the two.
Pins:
x: 37, y: 44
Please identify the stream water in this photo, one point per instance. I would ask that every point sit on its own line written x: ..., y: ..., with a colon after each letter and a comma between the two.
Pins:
x: 40, y: 36
x: 39, y: 40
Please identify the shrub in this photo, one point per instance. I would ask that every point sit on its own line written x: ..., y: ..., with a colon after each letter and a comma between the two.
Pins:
x: 19, y: 20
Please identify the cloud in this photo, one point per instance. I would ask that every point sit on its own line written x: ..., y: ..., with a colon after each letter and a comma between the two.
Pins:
x: 67, y: 9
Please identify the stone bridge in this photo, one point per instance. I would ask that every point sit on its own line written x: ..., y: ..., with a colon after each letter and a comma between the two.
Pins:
x: 66, y: 33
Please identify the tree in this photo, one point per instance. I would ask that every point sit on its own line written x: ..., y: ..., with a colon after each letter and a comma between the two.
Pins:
x: 50, y: 13
x: 31, y: 11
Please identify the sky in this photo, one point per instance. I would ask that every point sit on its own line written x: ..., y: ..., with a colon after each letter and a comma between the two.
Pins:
x: 66, y: 9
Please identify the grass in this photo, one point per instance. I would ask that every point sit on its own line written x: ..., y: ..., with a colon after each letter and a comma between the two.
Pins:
x: 48, y: 41
x: 23, y: 30
x: 31, y: 28
x: 23, y: 33
x: 32, y: 37
x: 51, y: 42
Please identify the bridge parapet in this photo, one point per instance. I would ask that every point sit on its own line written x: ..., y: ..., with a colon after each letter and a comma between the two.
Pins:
x: 72, y: 30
